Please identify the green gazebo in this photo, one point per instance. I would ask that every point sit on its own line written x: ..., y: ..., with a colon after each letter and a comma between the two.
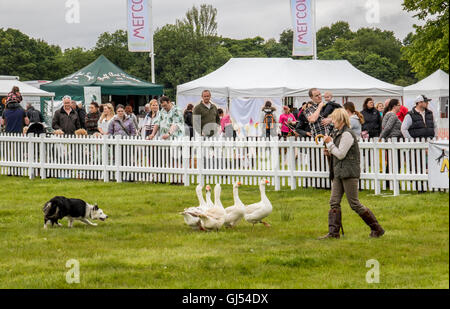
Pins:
x: 105, y: 74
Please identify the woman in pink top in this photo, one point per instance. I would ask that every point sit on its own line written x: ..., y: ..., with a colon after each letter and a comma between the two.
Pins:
x: 225, y: 123
x: 286, y: 118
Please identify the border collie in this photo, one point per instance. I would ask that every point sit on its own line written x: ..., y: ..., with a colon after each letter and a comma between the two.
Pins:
x: 74, y: 209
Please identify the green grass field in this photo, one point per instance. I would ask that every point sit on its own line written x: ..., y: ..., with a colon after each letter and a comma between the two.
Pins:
x: 145, y: 243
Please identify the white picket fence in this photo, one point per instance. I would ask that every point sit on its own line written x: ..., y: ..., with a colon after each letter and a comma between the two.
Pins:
x: 391, y: 165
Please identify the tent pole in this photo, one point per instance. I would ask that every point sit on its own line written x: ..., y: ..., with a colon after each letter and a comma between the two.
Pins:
x: 152, y: 53
x: 52, y: 112
x: 315, y: 31
x: 152, y: 57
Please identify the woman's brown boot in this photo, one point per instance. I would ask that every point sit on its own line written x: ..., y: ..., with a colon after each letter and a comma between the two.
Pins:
x: 369, y: 218
x: 334, y: 224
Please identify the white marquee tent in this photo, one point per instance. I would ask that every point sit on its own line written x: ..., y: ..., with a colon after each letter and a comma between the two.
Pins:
x: 436, y: 88
x: 248, y: 82
x: 8, y: 82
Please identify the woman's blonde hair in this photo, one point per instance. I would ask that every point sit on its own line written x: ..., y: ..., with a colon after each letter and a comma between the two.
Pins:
x: 111, y: 109
x: 340, y: 116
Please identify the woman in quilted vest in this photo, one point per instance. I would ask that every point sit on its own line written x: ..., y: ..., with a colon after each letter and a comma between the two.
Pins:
x: 343, y: 148
x: 121, y: 123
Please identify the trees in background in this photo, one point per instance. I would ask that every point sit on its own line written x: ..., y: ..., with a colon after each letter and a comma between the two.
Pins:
x: 183, y: 54
x: 191, y: 48
x: 202, y: 21
x: 26, y: 57
x: 371, y: 50
x: 114, y: 46
x: 188, y: 49
x: 427, y: 49
x: 72, y: 60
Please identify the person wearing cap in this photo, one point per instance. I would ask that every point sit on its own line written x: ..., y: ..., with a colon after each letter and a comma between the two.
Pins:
x: 419, y: 122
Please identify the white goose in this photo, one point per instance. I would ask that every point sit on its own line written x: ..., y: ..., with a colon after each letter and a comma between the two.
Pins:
x: 236, y: 212
x: 255, y: 213
x: 217, y: 192
x: 209, y: 203
x: 194, y: 222
x: 214, y: 216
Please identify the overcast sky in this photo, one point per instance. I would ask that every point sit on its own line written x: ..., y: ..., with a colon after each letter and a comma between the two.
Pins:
x: 46, y: 19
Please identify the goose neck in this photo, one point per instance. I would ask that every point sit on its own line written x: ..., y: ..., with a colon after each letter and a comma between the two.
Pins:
x: 237, y: 200
x: 262, y: 189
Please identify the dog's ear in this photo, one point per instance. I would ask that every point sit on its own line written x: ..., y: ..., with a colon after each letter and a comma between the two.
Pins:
x: 95, y: 206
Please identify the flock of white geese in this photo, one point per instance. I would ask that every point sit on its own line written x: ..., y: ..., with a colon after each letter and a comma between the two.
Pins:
x: 212, y: 216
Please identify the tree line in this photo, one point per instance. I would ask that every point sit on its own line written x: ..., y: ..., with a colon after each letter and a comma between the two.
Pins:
x: 191, y: 48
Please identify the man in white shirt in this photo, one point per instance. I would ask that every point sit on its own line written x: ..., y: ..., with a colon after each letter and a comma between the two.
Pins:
x: 419, y: 122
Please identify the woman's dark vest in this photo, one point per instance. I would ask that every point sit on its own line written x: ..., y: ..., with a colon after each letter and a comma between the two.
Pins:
x: 349, y: 167
x: 418, y: 127
x: 372, y: 122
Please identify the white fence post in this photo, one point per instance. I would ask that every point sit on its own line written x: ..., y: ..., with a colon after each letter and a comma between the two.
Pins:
x: 291, y: 163
x: 200, y: 161
x: 276, y: 163
x: 395, y: 167
x: 30, y: 157
x: 186, y: 158
x: 42, y: 155
x: 376, y: 158
x: 105, y: 161
x: 118, y: 157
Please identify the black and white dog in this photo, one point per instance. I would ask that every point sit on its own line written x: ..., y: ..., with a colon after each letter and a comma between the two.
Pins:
x: 74, y: 209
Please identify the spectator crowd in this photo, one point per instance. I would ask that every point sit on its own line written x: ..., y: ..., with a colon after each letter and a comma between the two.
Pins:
x: 165, y: 120
x: 385, y: 120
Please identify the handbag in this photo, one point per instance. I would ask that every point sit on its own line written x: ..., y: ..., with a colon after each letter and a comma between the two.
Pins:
x: 365, y: 135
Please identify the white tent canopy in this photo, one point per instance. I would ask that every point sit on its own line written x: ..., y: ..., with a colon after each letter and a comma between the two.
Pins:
x: 248, y: 82
x: 435, y: 85
x: 8, y: 82
x: 285, y: 77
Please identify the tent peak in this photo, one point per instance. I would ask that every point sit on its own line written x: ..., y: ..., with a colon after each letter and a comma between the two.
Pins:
x: 105, y: 74
x: 286, y: 77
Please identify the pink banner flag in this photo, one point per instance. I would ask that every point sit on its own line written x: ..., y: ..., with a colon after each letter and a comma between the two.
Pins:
x: 303, y: 18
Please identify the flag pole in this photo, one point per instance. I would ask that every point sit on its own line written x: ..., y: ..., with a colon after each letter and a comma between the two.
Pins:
x: 152, y: 53
x: 315, y: 30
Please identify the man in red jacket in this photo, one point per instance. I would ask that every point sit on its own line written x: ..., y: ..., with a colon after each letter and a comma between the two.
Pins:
x: 402, y: 113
